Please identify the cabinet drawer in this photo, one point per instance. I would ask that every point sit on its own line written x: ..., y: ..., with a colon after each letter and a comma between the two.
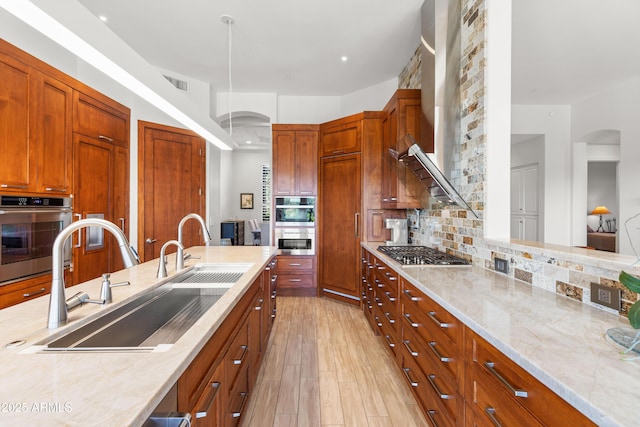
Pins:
x: 436, y: 317
x: 237, y: 357
x: 433, y: 357
x: 440, y: 412
x: 208, y: 409
x: 388, y: 333
x: 98, y: 120
x: 490, y: 370
x: 20, y: 292
x: 286, y: 280
x: 342, y: 139
x: 238, y: 398
x: 295, y: 263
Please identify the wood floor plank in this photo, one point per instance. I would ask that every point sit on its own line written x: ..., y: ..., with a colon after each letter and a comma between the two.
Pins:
x: 352, y: 407
x: 264, y: 409
x: 285, y: 420
x: 395, y: 399
x: 289, y: 390
x: 309, y: 360
x: 330, y: 403
x: 274, y: 363
x: 379, y: 422
x: 309, y: 406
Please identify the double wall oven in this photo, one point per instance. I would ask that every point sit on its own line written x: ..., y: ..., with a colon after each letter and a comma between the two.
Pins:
x: 28, y: 228
x: 295, y: 232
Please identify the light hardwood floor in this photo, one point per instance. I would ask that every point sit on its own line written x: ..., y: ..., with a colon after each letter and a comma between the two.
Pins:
x: 324, y: 367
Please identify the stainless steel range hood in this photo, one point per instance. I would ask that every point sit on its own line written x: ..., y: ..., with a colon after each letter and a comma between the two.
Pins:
x: 426, y: 170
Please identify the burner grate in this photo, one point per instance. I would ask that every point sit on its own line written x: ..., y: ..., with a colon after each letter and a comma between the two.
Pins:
x: 420, y: 255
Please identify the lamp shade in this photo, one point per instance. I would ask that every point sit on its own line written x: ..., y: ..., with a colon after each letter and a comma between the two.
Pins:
x: 600, y: 210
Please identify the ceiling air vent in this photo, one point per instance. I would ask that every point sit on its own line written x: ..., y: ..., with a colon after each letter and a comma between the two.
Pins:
x: 180, y: 84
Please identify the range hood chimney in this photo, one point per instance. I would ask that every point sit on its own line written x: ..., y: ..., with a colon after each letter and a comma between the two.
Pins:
x: 440, y: 133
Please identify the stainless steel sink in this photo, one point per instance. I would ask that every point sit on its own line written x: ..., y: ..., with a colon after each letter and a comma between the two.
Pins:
x: 156, y: 318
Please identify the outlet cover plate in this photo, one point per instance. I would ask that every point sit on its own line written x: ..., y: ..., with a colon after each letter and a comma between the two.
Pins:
x: 605, y: 295
x: 501, y: 265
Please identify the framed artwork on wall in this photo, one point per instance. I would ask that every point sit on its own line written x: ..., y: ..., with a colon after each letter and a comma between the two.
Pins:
x: 246, y: 200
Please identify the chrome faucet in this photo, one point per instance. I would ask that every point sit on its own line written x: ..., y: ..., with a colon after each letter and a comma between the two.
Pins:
x: 162, y: 264
x: 205, y: 234
x: 57, y: 304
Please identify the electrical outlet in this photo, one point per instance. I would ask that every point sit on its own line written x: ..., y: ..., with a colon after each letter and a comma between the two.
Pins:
x: 501, y: 265
x: 605, y: 295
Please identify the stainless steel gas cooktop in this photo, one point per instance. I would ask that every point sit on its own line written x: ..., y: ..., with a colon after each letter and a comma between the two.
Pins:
x: 420, y: 255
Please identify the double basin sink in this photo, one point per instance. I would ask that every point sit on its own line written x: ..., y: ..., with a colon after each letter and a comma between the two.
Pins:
x: 155, y: 319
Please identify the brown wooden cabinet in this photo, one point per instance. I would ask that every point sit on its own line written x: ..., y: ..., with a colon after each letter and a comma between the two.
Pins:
x: 350, y: 151
x: 400, y: 189
x: 35, y: 110
x: 297, y: 275
x: 217, y: 384
x: 295, y: 160
x: 101, y: 181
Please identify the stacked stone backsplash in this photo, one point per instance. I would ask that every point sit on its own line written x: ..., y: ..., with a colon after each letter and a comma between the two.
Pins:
x: 456, y: 231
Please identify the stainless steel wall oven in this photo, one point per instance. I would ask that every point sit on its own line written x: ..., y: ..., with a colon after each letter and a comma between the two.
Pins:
x: 295, y: 241
x: 28, y: 228
x: 295, y: 211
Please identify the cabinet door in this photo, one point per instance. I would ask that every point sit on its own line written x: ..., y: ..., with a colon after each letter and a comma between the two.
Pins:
x: 209, y: 408
x: 339, y: 230
x: 306, y: 163
x: 120, y: 200
x: 341, y: 138
x: 52, y: 126
x: 93, y: 191
x: 98, y: 120
x: 15, y: 143
x: 283, y: 162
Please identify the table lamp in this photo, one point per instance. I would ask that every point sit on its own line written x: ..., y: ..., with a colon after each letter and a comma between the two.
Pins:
x: 600, y: 210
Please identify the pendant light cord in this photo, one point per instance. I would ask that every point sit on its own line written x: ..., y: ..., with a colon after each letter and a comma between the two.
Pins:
x: 229, y: 22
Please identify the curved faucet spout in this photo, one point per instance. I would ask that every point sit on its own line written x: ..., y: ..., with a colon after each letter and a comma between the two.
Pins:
x: 57, y: 303
x: 205, y: 234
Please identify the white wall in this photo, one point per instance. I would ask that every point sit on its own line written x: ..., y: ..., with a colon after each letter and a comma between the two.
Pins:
x: 308, y: 109
x: 554, y: 122
x: 616, y: 109
x: 373, y: 98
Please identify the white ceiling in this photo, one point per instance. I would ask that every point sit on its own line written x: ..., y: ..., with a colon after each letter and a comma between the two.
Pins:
x: 290, y: 47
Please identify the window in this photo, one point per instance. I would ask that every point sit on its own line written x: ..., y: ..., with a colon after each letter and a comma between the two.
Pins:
x: 266, y: 193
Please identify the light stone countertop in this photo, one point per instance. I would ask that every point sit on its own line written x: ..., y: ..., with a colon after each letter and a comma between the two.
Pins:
x: 98, y: 389
x: 559, y: 341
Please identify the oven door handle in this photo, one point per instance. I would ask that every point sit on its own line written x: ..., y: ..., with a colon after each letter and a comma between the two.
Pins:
x: 19, y: 211
x: 79, y: 244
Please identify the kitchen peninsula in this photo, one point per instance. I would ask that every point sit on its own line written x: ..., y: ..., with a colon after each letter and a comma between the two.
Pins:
x: 115, y: 388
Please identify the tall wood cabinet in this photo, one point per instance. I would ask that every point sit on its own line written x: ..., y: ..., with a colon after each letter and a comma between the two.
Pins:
x: 346, y: 182
x: 295, y: 164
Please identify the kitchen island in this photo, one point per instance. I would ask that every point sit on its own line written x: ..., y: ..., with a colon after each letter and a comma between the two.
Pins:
x: 111, y: 388
x: 557, y: 340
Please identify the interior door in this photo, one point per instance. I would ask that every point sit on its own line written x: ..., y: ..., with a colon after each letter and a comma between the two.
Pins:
x: 171, y: 185
x: 340, y: 226
x: 93, y: 186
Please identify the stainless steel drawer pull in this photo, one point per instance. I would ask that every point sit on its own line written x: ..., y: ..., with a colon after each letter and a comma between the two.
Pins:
x: 390, y: 277
x: 241, y: 359
x: 430, y: 414
x: 388, y: 339
x: 203, y: 413
x: 17, y: 187
x: 378, y: 322
x: 56, y: 190
x: 432, y: 346
x: 408, y: 294
x: 378, y: 302
x: 411, y: 351
x: 295, y: 280
x: 442, y: 395
x: 294, y: 264
x: 491, y: 413
x: 407, y: 317
x: 106, y: 138
x: 517, y: 393
x: 38, y: 292
x: 432, y: 316
x: 388, y: 294
x: 389, y: 318
x: 381, y: 267
x: 408, y: 377
x: 244, y: 401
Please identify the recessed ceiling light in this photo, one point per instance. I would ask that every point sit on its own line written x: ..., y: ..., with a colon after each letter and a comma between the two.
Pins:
x: 103, y: 18
x: 248, y: 142
x: 288, y: 76
x: 344, y: 58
